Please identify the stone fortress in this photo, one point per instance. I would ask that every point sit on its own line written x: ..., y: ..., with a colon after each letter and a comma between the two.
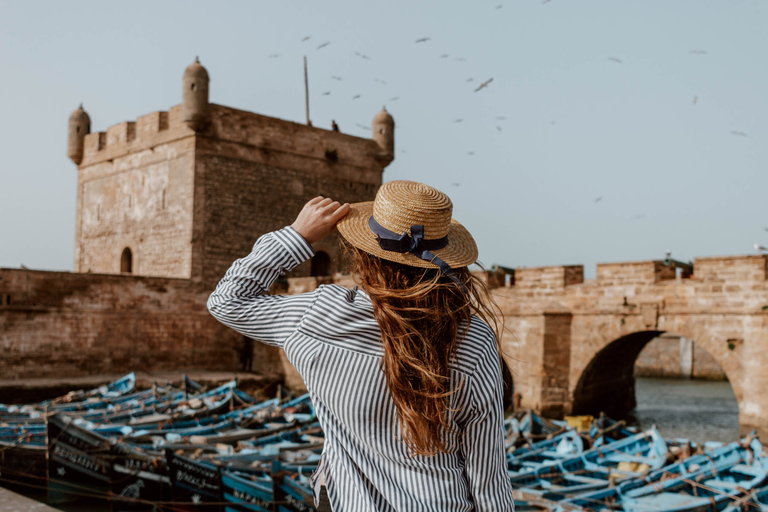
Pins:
x: 166, y: 203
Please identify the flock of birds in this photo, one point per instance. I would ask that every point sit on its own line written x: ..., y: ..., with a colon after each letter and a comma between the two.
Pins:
x: 484, y: 85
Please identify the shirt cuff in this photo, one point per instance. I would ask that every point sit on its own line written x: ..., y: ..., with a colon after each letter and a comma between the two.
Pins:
x: 295, y: 244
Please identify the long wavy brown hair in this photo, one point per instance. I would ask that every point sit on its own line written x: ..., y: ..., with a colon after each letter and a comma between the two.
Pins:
x: 423, y: 317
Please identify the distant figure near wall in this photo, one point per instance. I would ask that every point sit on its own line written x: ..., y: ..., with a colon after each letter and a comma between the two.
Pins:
x: 246, y: 354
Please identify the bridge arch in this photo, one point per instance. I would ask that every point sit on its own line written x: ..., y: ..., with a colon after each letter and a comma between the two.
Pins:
x: 607, y: 382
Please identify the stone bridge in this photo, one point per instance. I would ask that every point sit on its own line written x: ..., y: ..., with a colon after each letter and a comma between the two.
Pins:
x: 572, y: 343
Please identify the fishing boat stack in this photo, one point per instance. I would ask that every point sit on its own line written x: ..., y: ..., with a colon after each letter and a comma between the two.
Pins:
x: 188, y: 448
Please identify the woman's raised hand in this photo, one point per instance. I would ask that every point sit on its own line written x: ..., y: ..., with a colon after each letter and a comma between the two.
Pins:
x: 318, y: 218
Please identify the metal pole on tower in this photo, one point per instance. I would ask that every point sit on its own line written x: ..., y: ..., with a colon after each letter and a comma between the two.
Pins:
x: 306, y: 90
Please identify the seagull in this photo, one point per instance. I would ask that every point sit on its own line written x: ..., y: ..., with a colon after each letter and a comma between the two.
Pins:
x: 394, y: 98
x: 498, y: 128
x: 501, y: 118
x: 456, y: 184
x: 614, y: 59
x: 484, y: 84
x: 382, y: 82
x: 306, y: 38
x: 760, y: 249
x: 471, y: 153
x: 274, y: 56
x: 698, y: 52
x: 766, y: 229
x: 695, y: 99
x: 545, y: 1
x: 444, y: 56
x: 469, y: 79
x: 736, y: 132
x: 422, y: 39
x: 363, y: 126
x: 327, y: 93
x: 598, y: 199
x: 362, y: 56
x: 499, y: 6
x: 323, y: 45
x: 458, y: 120
x: 459, y: 59
x: 355, y: 96
x: 336, y: 77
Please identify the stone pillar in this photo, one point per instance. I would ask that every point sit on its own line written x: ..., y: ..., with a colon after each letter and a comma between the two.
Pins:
x: 686, y: 358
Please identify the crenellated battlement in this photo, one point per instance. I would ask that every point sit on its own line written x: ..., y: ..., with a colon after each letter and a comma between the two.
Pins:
x: 133, y: 136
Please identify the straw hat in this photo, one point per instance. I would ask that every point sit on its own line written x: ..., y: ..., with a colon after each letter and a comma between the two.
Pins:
x: 399, y: 206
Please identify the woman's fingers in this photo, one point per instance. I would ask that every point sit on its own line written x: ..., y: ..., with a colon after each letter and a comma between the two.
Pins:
x: 315, y: 200
x: 340, y: 213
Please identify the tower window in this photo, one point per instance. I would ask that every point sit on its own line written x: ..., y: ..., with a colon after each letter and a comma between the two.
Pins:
x: 321, y: 264
x: 192, y: 87
x: 126, y: 261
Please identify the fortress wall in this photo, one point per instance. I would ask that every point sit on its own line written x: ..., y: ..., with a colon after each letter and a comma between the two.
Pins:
x: 60, y: 323
x: 255, y: 173
x: 136, y: 190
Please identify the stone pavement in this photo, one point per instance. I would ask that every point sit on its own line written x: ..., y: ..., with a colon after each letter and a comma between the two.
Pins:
x: 12, y: 502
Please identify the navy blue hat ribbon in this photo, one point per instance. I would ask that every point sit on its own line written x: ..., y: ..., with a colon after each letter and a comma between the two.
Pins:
x: 416, y: 244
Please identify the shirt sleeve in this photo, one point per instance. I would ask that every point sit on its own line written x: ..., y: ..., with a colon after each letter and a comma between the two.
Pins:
x: 485, y: 462
x: 239, y: 300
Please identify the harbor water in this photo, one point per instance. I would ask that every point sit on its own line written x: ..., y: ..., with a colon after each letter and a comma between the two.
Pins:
x: 698, y: 410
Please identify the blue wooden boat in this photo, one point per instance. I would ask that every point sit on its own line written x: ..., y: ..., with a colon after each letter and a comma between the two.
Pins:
x: 595, y: 468
x: 707, y: 463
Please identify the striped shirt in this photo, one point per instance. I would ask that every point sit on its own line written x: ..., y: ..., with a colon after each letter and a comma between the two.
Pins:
x: 331, y: 337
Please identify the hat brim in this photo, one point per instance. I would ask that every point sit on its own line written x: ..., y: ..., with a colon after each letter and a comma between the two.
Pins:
x: 461, y: 250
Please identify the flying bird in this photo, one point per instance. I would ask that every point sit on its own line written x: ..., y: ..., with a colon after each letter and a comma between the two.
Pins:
x: 274, y: 56
x: 362, y: 56
x: 382, y: 82
x: 323, y: 45
x: 766, y: 229
x: 471, y: 153
x: 459, y: 59
x: 501, y: 118
x: 598, y: 199
x: 306, y: 38
x: 499, y: 6
x: 327, y: 93
x: 394, y: 98
x: 456, y: 184
x: 355, y: 96
x: 363, y: 126
x: 698, y: 52
x: 422, y: 39
x: 469, y: 79
x: 484, y: 84
x: 639, y: 216
x: 336, y: 77
x: 614, y: 59
x: 444, y: 56
x: 760, y: 249
x: 458, y: 120
x: 498, y: 128
x: 736, y: 132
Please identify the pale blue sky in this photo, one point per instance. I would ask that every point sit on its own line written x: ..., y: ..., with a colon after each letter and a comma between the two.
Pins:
x: 578, y: 125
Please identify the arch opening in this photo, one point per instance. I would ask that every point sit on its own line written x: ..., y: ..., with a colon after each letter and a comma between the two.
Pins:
x: 126, y: 261
x: 321, y: 264
x: 608, y: 382
x: 684, y: 402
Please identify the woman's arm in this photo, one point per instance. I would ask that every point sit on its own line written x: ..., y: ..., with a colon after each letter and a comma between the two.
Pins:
x: 485, y: 463
x: 239, y: 300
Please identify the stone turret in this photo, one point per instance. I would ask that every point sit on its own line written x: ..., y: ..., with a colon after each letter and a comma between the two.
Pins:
x: 79, y: 127
x: 195, y: 109
x: 384, y: 132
